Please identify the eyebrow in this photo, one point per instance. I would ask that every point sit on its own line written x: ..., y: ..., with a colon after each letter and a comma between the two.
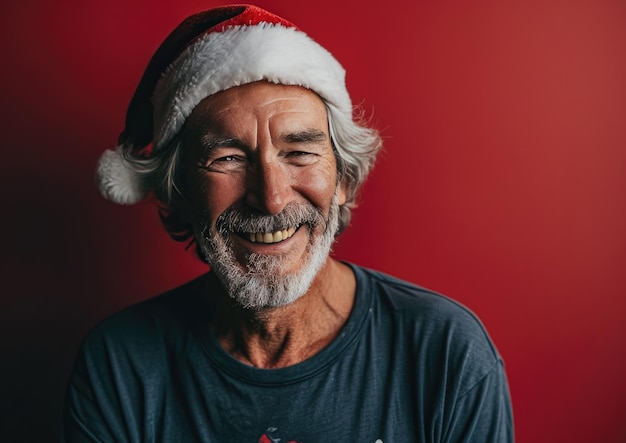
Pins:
x: 310, y: 136
x: 209, y: 142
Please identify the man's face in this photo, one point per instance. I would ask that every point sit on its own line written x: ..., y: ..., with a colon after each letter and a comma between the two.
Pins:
x: 261, y: 181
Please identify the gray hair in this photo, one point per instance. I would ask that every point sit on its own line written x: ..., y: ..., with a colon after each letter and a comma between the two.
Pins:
x: 355, y: 145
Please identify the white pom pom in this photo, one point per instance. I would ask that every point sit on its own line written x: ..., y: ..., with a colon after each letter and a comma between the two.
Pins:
x: 118, y: 182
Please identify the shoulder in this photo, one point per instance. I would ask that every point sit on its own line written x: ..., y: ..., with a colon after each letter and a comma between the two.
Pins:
x: 408, y: 300
x: 441, y: 333
x: 125, y: 360
x: 151, y: 323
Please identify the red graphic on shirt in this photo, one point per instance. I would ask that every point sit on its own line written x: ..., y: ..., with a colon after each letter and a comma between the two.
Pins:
x: 268, y: 438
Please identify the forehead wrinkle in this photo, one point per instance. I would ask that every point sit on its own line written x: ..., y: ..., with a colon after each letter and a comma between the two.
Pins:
x: 271, y: 101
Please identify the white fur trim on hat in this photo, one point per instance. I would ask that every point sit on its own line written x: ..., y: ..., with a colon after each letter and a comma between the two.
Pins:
x: 117, y: 182
x: 240, y: 55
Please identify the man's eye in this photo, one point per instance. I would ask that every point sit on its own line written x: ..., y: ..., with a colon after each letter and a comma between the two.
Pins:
x: 301, y: 158
x: 224, y: 163
x: 227, y: 158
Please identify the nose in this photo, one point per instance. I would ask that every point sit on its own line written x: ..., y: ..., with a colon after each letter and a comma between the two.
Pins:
x: 268, y: 187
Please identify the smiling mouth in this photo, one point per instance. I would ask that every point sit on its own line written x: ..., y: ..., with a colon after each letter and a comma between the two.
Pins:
x: 269, y: 237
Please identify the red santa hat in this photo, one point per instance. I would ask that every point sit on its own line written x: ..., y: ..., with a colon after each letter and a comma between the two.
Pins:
x: 207, y: 53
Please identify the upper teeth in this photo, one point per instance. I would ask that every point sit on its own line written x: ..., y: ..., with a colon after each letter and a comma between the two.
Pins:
x: 270, y: 237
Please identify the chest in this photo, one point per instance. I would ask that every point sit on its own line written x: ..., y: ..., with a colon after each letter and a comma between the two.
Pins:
x: 361, y: 398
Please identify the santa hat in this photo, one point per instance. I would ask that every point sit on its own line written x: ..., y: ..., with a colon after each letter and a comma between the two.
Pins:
x: 207, y: 53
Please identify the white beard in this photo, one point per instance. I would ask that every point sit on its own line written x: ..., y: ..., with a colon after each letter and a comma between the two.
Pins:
x: 262, y: 282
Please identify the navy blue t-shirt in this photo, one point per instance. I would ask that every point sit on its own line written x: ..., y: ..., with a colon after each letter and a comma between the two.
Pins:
x: 408, y: 366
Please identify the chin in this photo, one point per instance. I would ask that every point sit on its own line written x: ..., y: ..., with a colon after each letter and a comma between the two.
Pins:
x: 260, y: 282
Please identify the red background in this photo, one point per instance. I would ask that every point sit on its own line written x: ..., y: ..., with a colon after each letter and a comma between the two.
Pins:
x: 501, y: 185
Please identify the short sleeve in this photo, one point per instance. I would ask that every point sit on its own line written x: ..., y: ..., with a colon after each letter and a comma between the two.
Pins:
x: 83, y: 420
x: 483, y: 414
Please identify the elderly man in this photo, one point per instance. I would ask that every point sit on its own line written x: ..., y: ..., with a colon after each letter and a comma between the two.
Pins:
x: 243, y: 130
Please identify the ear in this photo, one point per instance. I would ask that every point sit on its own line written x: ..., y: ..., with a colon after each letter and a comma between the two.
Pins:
x: 176, y: 216
x: 183, y: 212
x: 342, y: 194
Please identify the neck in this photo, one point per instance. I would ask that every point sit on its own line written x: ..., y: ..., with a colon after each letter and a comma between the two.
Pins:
x: 285, y: 336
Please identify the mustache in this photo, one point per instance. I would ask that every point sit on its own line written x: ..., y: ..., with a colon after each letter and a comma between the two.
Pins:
x: 244, y: 219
